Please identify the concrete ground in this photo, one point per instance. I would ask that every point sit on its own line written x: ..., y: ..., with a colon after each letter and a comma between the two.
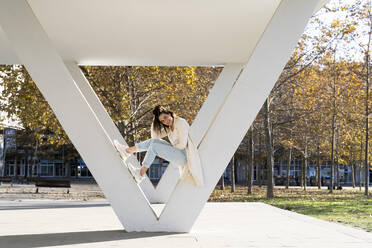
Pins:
x: 71, y: 223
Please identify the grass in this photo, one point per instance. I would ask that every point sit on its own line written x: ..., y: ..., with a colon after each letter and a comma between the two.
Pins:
x: 348, y: 206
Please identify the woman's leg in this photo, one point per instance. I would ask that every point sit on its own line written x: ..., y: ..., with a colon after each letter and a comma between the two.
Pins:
x: 164, y: 150
x: 144, y: 145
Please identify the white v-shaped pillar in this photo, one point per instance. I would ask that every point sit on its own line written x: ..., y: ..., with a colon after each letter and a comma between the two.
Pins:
x: 216, y: 97
x: 221, y: 133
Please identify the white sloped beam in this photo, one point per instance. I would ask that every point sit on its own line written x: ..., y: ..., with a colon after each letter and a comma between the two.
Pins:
x: 238, y: 112
x: 215, y: 100
x: 55, y: 82
x: 107, y: 123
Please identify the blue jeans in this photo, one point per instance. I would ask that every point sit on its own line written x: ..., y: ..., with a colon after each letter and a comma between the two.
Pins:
x: 162, y: 149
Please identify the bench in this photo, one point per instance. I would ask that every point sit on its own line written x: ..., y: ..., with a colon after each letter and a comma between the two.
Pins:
x: 5, y: 179
x: 52, y: 183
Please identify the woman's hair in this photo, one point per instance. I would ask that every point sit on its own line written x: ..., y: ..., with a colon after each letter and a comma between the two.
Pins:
x: 157, y: 124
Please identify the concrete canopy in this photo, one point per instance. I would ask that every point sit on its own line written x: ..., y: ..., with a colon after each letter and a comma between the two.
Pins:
x: 143, y: 32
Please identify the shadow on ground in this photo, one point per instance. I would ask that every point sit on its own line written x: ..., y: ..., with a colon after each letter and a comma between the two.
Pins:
x: 71, y: 238
x: 47, y: 206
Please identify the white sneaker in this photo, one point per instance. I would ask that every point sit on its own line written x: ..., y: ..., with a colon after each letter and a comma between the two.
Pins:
x: 135, y: 171
x: 124, y: 155
x: 121, y: 149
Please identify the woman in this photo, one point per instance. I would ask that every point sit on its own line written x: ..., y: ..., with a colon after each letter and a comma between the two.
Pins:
x: 181, y: 150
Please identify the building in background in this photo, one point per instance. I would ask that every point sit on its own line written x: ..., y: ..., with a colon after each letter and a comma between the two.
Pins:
x: 280, y: 170
x: 20, y: 166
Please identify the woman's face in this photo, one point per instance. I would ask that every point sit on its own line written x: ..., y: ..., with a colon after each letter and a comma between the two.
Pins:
x: 166, y: 119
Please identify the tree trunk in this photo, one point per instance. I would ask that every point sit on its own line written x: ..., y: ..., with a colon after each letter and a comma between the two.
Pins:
x: 333, y: 123
x: 332, y: 155
x: 270, y: 162
x: 260, y: 165
x: 366, y: 162
x: 353, y: 175
x: 305, y: 173
x: 361, y: 163
x: 305, y: 164
x: 337, y: 173
x: 302, y: 173
x: 259, y: 173
x: 337, y: 165
x: 250, y: 164
x: 360, y: 177
x: 318, y: 179
x: 222, y: 187
x: 288, y: 167
x: 232, y: 174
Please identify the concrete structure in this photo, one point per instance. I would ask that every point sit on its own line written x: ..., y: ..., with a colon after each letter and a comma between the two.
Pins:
x: 252, y: 39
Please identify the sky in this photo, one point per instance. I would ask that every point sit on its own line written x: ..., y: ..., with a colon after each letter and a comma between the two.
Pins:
x: 354, y: 52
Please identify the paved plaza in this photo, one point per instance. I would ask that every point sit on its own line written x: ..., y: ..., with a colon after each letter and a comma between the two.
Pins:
x: 72, y: 223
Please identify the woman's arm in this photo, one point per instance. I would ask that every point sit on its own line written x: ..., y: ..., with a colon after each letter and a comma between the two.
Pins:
x: 183, y: 132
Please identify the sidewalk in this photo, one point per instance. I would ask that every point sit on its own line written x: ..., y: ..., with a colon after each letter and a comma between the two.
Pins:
x: 46, y: 223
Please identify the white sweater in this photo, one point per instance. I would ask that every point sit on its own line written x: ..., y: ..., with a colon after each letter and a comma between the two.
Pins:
x: 181, y: 139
